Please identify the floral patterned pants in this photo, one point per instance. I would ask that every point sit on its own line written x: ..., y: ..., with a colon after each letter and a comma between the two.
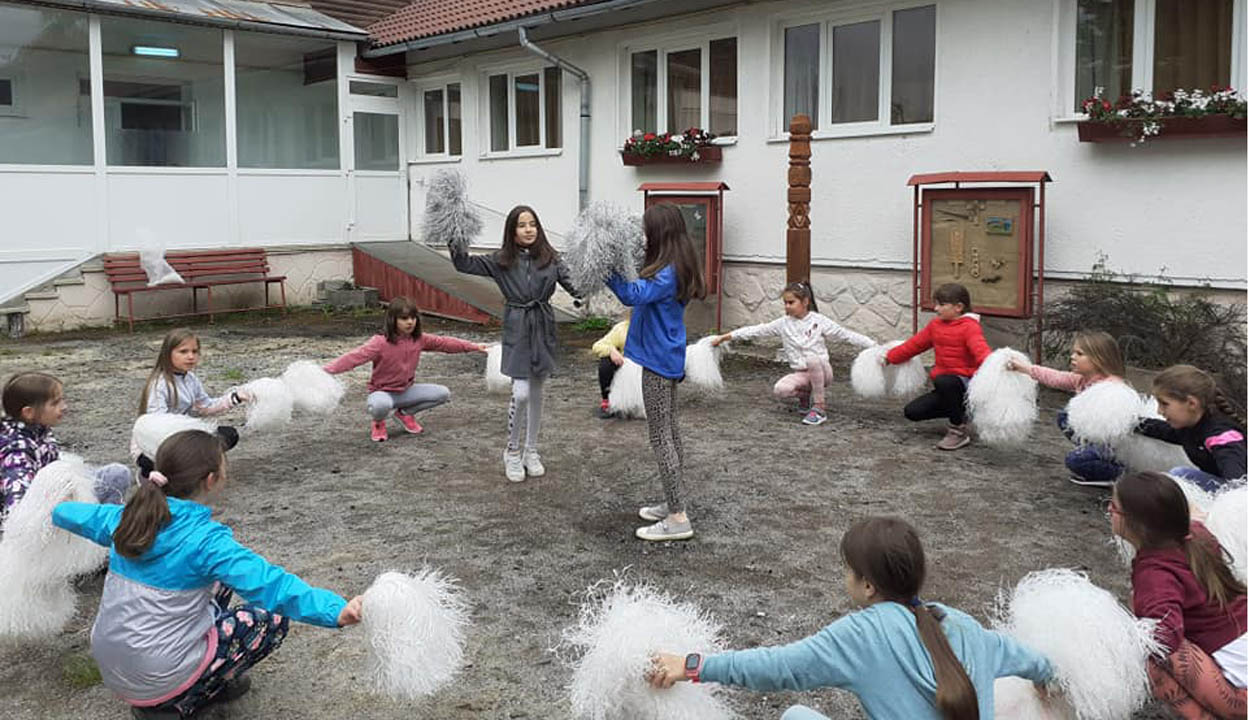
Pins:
x: 1192, y: 685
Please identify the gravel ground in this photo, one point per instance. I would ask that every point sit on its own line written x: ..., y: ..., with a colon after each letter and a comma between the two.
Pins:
x: 769, y: 499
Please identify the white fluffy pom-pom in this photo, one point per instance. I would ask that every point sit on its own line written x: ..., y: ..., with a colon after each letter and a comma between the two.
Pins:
x: 449, y: 216
x: 1097, y: 647
x: 38, y: 559
x: 1104, y: 413
x: 1226, y: 519
x: 703, y: 365
x: 270, y: 404
x: 625, y: 395
x: 872, y: 379
x: 151, y: 429
x: 496, y: 381
x: 1016, y: 699
x: 907, y: 379
x: 414, y: 627
x: 620, y: 627
x: 1139, y: 452
x: 1003, y: 402
x: 605, y: 239
x: 312, y: 389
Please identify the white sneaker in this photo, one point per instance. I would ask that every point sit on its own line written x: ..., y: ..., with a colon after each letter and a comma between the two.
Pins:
x: 665, y: 530
x: 513, y: 468
x: 533, y: 464
x: 654, y: 513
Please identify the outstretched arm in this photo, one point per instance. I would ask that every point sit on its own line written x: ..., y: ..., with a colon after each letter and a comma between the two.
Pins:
x: 484, y: 265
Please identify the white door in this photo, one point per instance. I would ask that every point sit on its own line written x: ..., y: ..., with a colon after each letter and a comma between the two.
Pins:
x: 380, y: 210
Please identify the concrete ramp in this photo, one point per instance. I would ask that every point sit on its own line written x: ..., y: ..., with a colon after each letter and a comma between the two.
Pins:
x: 427, y: 276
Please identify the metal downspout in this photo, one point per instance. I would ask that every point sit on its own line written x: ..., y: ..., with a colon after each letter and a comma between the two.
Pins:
x: 583, y: 142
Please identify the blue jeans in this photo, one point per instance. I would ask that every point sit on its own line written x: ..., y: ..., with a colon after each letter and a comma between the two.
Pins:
x: 1096, y: 463
x: 1204, y: 480
x: 802, y: 712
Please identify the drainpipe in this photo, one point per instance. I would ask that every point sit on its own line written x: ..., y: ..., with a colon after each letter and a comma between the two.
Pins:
x: 583, y: 144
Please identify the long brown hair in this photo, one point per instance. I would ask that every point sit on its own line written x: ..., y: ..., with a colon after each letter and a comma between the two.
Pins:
x: 185, y: 459
x: 668, y: 244
x: 1181, y: 381
x: 401, y: 307
x: 1102, y: 350
x: 163, y: 371
x: 1155, y: 511
x: 886, y: 552
x: 802, y: 290
x: 541, y: 249
x: 29, y: 389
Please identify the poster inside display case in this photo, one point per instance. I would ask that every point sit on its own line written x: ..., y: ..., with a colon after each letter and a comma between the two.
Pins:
x: 983, y: 240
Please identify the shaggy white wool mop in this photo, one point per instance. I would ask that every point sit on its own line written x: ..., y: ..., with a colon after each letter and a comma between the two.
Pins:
x: 1003, y: 402
x: 1139, y: 452
x: 414, y: 626
x: 151, y: 429
x: 449, y: 216
x: 1104, y: 413
x: 496, y: 381
x: 703, y: 365
x: 38, y: 559
x: 1226, y: 519
x: 619, y: 628
x: 1097, y: 647
x: 625, y: 395
x: 1016, y: 699
x: 1199, y: 500
x: 270, y: 405
x: 605, y: 239
x: 312, y: 389
x: 871, y: 379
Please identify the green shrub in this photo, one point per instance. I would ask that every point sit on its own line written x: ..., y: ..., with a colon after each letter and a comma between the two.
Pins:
x: 594, y: 323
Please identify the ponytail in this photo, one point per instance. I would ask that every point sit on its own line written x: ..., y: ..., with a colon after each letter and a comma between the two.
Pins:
x: 183, y: 463
x: 802, y: 289
x: 956, y: 697
x: 1209, y: 563
x: 1229, y: 409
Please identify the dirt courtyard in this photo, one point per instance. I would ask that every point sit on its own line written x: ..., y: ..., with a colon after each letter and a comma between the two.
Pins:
x: 769, y: 499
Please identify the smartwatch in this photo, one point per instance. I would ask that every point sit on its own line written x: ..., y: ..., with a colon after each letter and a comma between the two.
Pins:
x: 694, y: 664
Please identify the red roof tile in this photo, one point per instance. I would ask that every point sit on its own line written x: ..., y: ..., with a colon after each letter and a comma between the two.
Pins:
x: 428, y: 18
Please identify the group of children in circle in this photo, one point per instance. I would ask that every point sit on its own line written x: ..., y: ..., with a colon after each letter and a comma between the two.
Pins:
x: 168, y: 642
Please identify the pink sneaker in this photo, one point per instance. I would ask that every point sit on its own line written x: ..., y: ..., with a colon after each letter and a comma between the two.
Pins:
x: 378, y: 430
x: 410, y: 423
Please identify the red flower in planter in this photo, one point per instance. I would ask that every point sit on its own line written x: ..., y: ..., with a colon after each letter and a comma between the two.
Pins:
x: 649, y: 136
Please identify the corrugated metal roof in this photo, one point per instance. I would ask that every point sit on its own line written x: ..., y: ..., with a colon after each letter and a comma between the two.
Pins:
x: 291, y: 17
x: 427, y: 18
x: 361, y: 13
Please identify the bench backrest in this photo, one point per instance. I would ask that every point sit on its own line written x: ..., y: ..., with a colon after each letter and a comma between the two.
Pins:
x: 192, y: 265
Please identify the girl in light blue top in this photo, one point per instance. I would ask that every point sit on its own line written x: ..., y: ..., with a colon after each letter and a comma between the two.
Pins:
x: 903, y: 658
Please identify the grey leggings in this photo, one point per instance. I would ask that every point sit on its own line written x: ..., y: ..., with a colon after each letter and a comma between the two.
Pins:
x: 421, y: 396
x: 659, y: 397
x: 527, y: 396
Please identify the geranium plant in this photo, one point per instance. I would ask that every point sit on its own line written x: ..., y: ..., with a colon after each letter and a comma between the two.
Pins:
x: 686, y: 144
x: 1142, y: 115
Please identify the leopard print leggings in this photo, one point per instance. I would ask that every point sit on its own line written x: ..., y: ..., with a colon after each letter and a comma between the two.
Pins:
x: 659, y: 397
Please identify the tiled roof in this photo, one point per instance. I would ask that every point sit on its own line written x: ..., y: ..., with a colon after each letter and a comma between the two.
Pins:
x: 427, y: 18
x: 361, y: 13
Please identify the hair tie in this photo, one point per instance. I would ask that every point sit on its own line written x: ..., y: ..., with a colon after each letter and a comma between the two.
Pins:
x: 157, y: 478
x: 914, y: 602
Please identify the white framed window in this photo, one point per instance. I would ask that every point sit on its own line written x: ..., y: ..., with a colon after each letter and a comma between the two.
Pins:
x: 1155, y: 45
x: 523, y: 110
x: 857, y: 73
x: 439, y: 116
x: 678, y: 85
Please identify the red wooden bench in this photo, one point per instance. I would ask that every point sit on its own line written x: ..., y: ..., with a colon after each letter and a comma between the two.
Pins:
x: 201, y: 270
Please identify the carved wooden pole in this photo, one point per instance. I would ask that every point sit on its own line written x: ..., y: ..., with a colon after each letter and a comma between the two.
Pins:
x: 798, y: 199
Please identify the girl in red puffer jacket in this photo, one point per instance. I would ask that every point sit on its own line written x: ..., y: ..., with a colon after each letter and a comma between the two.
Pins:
x: 959, y: 348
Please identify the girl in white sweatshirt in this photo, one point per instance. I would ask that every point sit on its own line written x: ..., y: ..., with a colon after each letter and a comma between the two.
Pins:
x: 803, y: 331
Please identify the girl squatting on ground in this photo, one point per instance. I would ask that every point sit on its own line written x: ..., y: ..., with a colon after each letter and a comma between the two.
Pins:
x: 526, y: 269
x: 959, y: 348
x: 164, y: 637
x: 609, y: 349
x: 803, y: 331
x: 1203, y: 422
x: 1095, y: 358
x: 902, y: 657
x: 33, y: 404
x: 1181, y: 579
x: 669, y: 278
x: 172, y: 387
x: 395, y: 355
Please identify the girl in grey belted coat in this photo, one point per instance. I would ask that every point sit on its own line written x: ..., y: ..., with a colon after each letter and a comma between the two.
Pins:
x: 526, y: 269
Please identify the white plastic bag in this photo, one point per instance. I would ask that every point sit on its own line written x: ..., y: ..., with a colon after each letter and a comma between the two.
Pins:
x: 152, y: 258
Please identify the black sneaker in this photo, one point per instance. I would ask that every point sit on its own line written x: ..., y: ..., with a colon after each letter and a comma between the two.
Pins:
x: 146, y: 466
x: 139, y: 713
x: 233, y: 689
x: 1083, y: 482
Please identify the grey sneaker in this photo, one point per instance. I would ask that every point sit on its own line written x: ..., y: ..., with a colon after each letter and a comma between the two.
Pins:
x: 654, y: 513
x: 956, y: 437
x: 665, y: 530
x: 1078, y: 480
x: 513, y: 467
x: 815, y: 416
x: 532, y: 463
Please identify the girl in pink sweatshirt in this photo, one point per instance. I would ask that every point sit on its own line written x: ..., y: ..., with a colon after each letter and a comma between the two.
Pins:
x: 395, y: 355
x: 1095, y: 358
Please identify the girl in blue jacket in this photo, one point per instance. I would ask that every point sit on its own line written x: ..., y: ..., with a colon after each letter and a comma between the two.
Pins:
x: 902, y: 657
x: 164, y: 637
x: 670, y: 277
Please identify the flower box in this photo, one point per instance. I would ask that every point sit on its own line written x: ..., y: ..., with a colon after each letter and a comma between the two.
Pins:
x: 707, y: 154
x: 1210, y: 126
